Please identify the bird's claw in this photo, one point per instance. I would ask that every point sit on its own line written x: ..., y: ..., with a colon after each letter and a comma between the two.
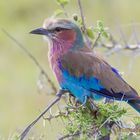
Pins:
x: 77, y: 106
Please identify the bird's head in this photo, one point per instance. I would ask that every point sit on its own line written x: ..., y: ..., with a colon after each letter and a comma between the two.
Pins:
x: 61, y: 31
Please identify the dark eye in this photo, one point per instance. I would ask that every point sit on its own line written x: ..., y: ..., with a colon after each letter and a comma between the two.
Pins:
x: 58, y: 29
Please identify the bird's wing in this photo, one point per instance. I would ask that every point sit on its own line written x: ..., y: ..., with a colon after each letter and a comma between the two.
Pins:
x: 84, y: 65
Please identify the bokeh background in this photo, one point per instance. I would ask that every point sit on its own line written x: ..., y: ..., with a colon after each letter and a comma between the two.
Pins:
x: 20, y: 98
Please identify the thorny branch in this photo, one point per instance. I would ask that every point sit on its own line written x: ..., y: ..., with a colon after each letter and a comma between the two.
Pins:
x: 32, y: 58
x: 111, y: 126
x: 114, y: 46
x: 54, y: 101
x: 96, y: 40
x: 57, y: 115
x: 69, y: 136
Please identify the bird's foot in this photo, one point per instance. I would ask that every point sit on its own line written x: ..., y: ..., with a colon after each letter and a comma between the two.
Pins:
x: 77, y: 104
x: 93, y: 107
x: 107, y: 100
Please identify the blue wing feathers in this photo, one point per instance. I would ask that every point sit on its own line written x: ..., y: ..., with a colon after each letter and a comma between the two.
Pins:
x: 89, y: 86
x: 79, y: 85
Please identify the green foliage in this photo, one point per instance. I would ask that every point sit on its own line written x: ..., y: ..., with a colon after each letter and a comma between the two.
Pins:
x: 111, y: 111
x: 62, y: 2
x: 82, y: 119
x: 78, y: 20
x: 136, y: 120
x: 90, y: 32
x: 129, y: 136
x: 101, y: 29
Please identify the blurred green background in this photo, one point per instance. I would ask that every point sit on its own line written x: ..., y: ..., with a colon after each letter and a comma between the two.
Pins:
x: 20, y: 98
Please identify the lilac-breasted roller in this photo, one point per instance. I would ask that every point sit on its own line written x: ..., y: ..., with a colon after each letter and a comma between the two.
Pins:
x: 79, y: 70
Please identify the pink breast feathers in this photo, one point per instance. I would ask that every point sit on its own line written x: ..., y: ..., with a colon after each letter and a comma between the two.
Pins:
x: 58, y: 46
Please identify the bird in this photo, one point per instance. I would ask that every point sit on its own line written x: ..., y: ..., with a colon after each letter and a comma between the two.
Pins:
x: 84, y: 73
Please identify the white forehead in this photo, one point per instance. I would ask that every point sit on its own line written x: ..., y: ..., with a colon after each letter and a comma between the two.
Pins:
x: 52, y: 23
x: 49, y: 22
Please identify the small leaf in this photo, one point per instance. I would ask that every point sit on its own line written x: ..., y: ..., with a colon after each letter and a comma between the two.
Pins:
x: 80, y: 21
x: 100, y: 24
x: 62, y: 2
x: 105, y: 34
x: 58, y: 12
x: 96, y: 30
x: 75, y: 17
x: 90, y: 33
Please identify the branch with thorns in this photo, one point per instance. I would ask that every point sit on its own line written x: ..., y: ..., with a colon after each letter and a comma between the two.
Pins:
x: 53, y: 102
x: 29, y: 54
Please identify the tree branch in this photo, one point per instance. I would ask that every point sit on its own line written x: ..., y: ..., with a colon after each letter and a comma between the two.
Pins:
x: 83, y: 22
x: 96, y: 40
x: 69, y: 135
x: 55, y: 100
x: 32, y: 58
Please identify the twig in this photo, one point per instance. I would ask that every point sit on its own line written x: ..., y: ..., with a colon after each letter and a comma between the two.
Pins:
x: 69, y: 135
x: 57, y: 115
x: 123, y: 36
x: 95, y: 42
x: 65, y: 13
x: 32, y: 58
x: 135, y: 34
x: 83, y: 22
x: 55, y: 100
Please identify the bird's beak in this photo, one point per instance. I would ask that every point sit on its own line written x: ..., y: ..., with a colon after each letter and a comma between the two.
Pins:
x: 40, y: 31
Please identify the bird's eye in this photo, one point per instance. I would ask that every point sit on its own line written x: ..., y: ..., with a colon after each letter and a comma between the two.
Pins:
x: 58, y: 29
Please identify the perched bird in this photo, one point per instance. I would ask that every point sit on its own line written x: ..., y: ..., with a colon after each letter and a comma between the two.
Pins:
x: 79, y: 70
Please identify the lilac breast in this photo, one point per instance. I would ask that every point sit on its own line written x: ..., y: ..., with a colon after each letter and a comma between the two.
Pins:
x: 56, y: 50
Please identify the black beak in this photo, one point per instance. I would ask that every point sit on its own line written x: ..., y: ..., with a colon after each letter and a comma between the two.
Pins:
x: 40, y: 31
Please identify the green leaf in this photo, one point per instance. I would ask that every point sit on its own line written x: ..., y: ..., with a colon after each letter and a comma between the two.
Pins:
x: 90, y: 33
x: 58, y: 12
x: 105, y: 34
x: 100, y: 24
x: 80, y: 21
x: 96, y: 30
x: 104, y: 131
x: 137, y: 120
x: 62, y: 2
x: 75, y: 17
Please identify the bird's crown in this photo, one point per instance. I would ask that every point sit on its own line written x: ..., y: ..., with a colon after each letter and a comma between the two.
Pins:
x: 52, y: 24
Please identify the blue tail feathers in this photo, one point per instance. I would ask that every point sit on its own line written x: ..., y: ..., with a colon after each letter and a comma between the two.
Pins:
x: 135, y: 105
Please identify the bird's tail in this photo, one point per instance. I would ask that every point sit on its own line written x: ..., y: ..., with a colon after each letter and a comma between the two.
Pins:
x: 135, y: 104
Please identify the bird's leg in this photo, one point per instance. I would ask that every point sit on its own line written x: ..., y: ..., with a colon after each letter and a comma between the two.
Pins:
x: 93, y: 106
x: 107, y: 100
x: 70, y: 98
x: 77, y: 102
x: 70, y: 101
x: 83, y: 104
x: 56, y: 99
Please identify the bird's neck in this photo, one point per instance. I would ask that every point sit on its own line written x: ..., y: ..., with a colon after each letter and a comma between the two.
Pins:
x: 56, y: 50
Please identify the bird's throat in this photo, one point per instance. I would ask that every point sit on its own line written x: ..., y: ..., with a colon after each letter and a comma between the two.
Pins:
x: 56, y: 50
